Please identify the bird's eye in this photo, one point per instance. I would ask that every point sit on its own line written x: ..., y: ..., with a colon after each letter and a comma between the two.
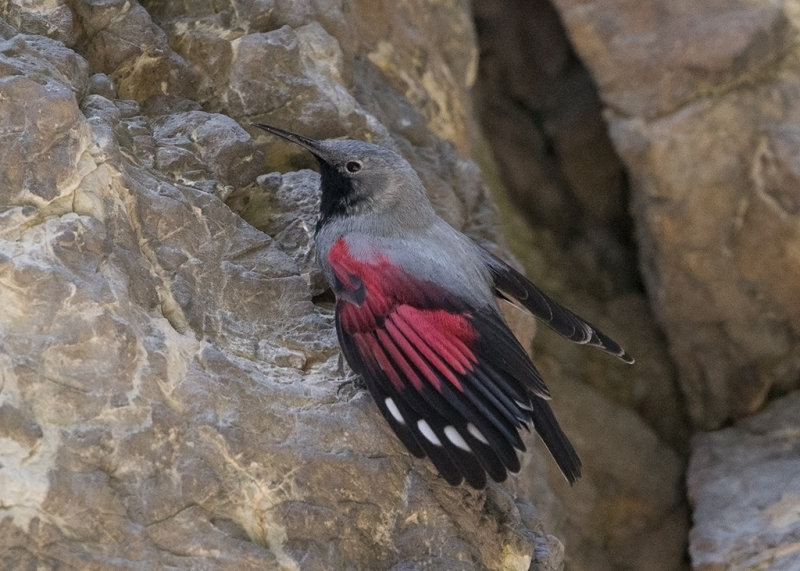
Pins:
x: 353, y: 166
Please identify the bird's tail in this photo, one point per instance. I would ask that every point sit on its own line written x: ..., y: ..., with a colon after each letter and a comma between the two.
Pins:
x: 556, y: 441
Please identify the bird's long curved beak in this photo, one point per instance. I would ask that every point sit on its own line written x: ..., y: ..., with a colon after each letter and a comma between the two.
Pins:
x: 311, y: 145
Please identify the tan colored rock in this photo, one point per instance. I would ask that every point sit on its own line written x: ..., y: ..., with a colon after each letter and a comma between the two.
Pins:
x: 570, y: 188
x: 544, y: 125
x: 628, y: 509
x: 542, y: 116
x: 120, y: 39
x: 170, y: 388
x: 701, y: 104
x: 52, y: 18
x: 744, y: 486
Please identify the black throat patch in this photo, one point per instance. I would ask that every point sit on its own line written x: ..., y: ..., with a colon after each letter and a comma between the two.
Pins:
x: 338, y: 194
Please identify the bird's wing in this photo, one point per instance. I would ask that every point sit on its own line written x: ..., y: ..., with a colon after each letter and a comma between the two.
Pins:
x: 510, y: 283
x: 452, y: 380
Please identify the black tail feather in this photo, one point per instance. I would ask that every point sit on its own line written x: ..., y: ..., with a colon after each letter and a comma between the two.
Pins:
x: 556, y: 441
x: 512, y: 284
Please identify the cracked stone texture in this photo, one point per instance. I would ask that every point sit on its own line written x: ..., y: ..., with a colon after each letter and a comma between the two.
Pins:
x: 628, y: 511
x: 702, y: 105
x: 744, y: 485
x: 566, y: 220
x: 171, y: 391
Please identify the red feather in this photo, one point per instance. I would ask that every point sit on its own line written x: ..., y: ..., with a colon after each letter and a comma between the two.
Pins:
x: 393, y: 317
x: 452, y: 380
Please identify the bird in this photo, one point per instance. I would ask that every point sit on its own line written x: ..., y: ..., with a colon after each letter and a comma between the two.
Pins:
x: 417, y: 317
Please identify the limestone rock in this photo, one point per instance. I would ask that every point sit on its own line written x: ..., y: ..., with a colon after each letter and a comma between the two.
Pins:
x: 533, y: 85
x: 543, y: 121
x: 702, y: 107
x: 52, y: 18
x: 41, y: 73
x: 744, y: 485
x: 628, y: 509
x: 170, y: 384
x: 119, y: 38
x: 541, y: 114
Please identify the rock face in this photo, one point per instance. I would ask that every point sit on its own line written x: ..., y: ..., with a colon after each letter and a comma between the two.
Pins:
x: 701, y: 102
x: 542, y: 118
x: 744, y: 485
x: 171, y: 391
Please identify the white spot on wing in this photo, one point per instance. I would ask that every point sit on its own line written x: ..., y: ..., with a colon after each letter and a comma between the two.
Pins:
x: 428, y: 432
x: 523, y: 405
x: 454, y: 437
x: 588, y: 333
x: 473, y: 430
x: 395, y: 412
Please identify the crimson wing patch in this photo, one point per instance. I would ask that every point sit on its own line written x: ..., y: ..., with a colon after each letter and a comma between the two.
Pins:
x: 452, y: 381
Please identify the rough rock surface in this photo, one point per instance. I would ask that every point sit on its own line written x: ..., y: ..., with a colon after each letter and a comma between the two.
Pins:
x: 628, y: 511
x: 702, y: 105
x: 700, y: 100
x: 744, y: 485
x: 542, y: 118
x: 171, y: 392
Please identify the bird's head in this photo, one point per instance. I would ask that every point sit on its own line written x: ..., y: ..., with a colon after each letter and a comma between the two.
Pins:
x: 360, y: 178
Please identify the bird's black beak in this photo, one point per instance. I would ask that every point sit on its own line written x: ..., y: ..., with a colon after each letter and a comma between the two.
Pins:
x: 311, y: 145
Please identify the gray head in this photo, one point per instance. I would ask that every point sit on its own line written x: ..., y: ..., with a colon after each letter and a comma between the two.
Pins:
x: 359, y: 178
